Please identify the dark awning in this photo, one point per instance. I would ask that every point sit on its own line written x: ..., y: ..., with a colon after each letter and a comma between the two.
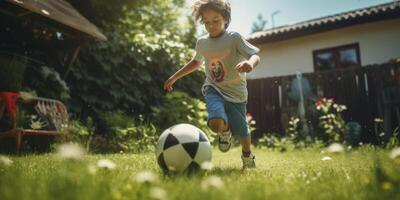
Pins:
x: 61, y: 12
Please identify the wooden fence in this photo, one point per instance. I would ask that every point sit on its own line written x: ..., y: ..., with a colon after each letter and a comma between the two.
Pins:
x: 369, y: 92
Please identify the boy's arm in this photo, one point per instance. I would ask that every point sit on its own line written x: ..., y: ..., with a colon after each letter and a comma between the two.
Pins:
x: 248, y: 65
x: 185, y: 70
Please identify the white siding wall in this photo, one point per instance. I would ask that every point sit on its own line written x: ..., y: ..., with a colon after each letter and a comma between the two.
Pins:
x: 379, y: 42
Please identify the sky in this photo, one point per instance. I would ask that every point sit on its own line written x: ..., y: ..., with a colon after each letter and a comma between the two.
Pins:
x: 245, y: 12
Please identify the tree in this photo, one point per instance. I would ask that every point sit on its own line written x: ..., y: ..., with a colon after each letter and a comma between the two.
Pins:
x: 259, y: 25
x: 147, y: 42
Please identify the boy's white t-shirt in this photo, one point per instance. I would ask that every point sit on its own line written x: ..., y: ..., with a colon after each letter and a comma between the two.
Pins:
x: 220, y: 56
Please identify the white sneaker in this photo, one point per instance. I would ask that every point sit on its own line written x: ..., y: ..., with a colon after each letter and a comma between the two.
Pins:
x: 224, y: 141
x: 249, y: 162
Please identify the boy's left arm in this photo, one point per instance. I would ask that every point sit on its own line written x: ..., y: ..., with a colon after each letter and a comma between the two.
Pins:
x: 248, y: 65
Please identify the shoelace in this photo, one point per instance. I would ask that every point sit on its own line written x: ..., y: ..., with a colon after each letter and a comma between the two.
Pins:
x: 224, y: 139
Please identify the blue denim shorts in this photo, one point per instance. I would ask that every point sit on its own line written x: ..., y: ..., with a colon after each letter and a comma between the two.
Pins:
x: 232, y: 113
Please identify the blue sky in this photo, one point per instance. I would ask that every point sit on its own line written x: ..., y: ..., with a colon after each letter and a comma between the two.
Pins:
x: 245, y: 12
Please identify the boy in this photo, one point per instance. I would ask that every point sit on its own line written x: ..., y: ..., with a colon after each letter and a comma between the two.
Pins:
x: 227, y: 57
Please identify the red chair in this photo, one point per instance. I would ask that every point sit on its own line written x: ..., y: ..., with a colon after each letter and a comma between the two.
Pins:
x: 53, y: 112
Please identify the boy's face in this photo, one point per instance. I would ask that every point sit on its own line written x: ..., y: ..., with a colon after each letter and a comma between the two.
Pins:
x: 214, y: 22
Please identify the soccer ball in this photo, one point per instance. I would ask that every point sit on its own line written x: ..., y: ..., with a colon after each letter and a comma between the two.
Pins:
x: 182, y: 147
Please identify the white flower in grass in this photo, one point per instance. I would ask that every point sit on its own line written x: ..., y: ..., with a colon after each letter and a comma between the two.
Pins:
x: 106, y: 164
x: 146, y: 177
x: 395, y: 153
x: 5, y: 161
x: 349, y: 147
x: 207, y: 166
x: 335, y: 148
x: 326, y: 158
x: 92, y: 169
x: 70, y: 151
x: 212, y: 182
x: 157, y: 193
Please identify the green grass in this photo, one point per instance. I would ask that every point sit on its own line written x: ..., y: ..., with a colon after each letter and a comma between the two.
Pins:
x: 359, y: 174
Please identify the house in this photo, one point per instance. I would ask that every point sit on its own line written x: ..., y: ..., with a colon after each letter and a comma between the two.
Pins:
x: 355, y: 38
x: 343, y: 56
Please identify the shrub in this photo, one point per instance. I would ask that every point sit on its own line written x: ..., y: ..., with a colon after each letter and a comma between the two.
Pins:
x: 12, y: 73
x: 330, y: 121
x: 138, y: 137
x: 124, y: 133
x: 79, y: 132
x: 179, y: 107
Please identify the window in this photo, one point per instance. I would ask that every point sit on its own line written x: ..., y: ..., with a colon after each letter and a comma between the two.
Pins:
x: 337, y: 57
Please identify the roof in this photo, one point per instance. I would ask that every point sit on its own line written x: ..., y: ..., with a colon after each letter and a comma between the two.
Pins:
x: 341, y: 20
x: 61, y: 12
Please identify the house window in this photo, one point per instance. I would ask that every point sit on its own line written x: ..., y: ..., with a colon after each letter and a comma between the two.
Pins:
x: 337, y: 57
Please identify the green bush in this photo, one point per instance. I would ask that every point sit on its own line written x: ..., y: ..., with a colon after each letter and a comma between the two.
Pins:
x: 330, y: 121
x: 124, y: 133
x: 289, y: 143
x: 139, y: 137
x: 79, y: 132
x: 12, y: 73
x: 179, y: 107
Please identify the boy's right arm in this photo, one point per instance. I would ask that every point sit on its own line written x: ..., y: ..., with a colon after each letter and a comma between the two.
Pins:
x: 185, y: 70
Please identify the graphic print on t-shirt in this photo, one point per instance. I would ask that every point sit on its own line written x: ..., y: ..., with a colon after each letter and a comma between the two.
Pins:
x: 216, y: 65
x: 217, y: 69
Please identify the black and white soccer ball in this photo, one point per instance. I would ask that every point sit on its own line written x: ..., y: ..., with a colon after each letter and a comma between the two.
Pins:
x: 181, y: 148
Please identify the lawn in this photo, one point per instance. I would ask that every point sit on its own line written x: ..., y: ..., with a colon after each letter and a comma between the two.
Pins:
x: 364, y: 173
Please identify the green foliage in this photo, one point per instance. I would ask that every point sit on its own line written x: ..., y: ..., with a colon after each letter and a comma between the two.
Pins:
x: 45, y: 81
x: 141, y: 137
x: 179, y: 107
x: 394, y: 139
x: 79, y: 132
x: 12, y: 73
x: 127, y: 133
x: 289, y: 143
x: 298, y: 135
x: 331, y: 123
x: 149, y: 41
x: 273, y: 142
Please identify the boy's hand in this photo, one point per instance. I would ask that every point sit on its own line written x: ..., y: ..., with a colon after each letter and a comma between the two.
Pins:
x: 244, y: 66
x: 169, y: 83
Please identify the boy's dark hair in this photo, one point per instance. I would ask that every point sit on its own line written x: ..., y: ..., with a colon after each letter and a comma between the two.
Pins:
x: 221, y: 6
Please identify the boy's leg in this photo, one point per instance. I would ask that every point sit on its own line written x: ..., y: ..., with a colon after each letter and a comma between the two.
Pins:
x: 236, y: 113
x: 248, y: 157
x: 246, y: 144
x: 218, y: 125
x: 217, y: 118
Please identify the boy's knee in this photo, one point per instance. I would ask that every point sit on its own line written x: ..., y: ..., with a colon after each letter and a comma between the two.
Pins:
x: 217, y: 125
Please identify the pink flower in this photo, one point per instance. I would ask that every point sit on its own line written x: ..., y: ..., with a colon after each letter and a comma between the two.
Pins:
x: 248, y: 117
